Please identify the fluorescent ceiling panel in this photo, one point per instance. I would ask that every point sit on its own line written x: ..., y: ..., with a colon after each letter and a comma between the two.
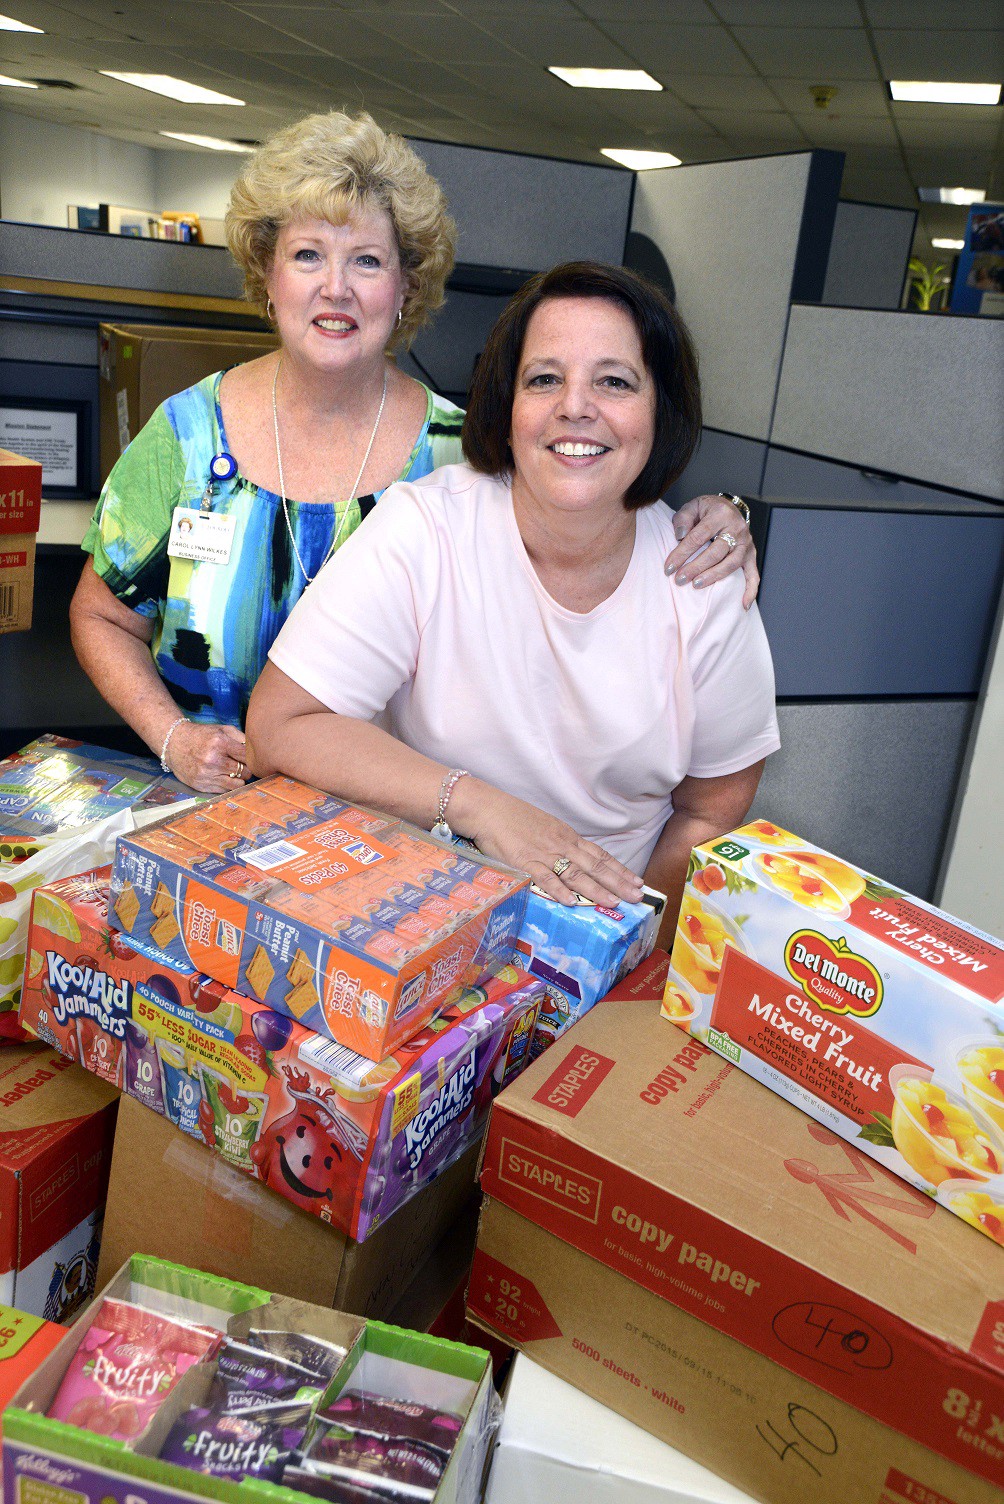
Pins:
x: 944, y: 93
x: 7, y: 23
x: 172, y: 88
x: 952, y: 195
x: 640, y: 161
x: 606, y: 78
x: 942, y: 244
x: 15, y: 83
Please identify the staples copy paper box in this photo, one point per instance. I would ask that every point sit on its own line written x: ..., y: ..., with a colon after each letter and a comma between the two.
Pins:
x: 56, y: 1128
x: 872, y: 1011
x: 356, y: 924
x: 644, y: 1150
x: 20, y: 514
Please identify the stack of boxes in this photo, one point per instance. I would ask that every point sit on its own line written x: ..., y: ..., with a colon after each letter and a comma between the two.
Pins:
x: 773, y: 1286
x: 323, y: 1000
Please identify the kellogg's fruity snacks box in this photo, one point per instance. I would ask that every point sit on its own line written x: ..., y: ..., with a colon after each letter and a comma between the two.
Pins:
x: 876, y: 1013
x: 334, y: 1133
x: 357, y: 925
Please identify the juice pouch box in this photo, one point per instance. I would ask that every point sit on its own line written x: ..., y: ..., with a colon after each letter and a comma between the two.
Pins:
x: 302, y: 916
x: 876, y: 1013
x: 580, y: 953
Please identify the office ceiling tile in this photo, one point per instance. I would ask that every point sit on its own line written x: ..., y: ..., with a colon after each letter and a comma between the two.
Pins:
x: 938, y: 168
x: 71, y: 21
x: 447, y: 39
x: 575, y: 44
x: 683, y: 49
x: 965, y: 57
x: 920, y: 15
x: 789, y: 12
x: 842, y: 132
x: 648, y: 112
x: 973, y: 128
x: 712, y: 91
x: 823, y: 54
x: 666, y: 12
x: 853, y: 96
x: 779, y: 131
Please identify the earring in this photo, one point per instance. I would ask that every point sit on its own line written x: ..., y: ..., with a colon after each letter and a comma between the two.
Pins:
x: 270, y: 310
x: 400, y: 316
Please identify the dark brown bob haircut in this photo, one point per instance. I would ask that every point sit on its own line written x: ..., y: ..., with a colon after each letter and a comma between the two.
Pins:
x: 667, y: 348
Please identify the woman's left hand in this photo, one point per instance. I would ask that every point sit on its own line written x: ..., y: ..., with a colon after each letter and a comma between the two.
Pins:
x: 696, y: 523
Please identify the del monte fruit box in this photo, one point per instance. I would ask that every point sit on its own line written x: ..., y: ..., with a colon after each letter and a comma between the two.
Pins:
x: 874, y: 1012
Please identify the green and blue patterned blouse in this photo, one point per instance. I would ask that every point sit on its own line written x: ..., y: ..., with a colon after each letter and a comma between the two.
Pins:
x: 214, y: 623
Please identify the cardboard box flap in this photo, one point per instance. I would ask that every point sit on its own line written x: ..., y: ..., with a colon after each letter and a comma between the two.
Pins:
x: 43, y: 1096
x: 643, y: 1148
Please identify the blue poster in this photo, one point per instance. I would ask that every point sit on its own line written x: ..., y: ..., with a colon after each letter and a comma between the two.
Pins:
x: 979, y: 273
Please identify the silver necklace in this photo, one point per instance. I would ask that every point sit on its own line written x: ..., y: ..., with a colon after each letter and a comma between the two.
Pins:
x: 349, y: 499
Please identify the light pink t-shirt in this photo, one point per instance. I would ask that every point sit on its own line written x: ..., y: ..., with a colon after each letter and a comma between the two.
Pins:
x: 431, y: 620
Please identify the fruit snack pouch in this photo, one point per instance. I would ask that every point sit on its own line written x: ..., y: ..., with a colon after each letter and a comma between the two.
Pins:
x: 126, y: 1366
x: 237, y: 1117
x: 181, y: 1087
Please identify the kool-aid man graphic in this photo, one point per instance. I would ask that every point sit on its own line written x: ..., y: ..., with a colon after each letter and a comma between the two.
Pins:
x: 301, y: 1154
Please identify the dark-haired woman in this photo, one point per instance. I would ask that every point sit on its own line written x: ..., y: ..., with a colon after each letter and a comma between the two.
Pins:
x: 497, y: 647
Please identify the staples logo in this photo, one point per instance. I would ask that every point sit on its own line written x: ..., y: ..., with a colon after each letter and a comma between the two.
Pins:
x: 64, y: 1180
x: 569, y: 1088
x: 549, y: 1180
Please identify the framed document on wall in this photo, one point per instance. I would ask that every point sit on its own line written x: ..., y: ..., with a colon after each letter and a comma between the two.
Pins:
x: 55, y: 431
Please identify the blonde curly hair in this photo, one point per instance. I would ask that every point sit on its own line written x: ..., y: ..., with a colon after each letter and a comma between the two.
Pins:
x: 326, y: 167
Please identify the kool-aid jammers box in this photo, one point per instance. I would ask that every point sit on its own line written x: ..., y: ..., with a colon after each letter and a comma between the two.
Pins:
x: 874, y: 1012
x: 356, y: 924
x: 338, y: 1135
x: 580, y: 952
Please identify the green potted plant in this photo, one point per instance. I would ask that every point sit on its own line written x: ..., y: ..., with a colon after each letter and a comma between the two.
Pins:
x: 926, y: 283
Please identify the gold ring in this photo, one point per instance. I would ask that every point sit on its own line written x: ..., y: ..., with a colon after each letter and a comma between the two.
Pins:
x: 561, y: 865
x: 238, y: 771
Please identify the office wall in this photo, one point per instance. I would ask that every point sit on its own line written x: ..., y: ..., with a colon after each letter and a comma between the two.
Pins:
x: 45, y: 166
x: 737, y: 235
x: 913, y: 394
x: 868, y: 256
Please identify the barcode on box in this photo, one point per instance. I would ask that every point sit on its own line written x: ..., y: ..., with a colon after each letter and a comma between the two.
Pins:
x: 274, y: 855
x: 8, y: 602
x: 336, y: 1061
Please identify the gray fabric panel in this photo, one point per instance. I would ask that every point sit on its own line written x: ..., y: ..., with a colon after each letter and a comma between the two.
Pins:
x: 879, y: 603
x: 530, y: 212
x: 61, y: 344
x: 117, y: 261
x: 803, y: 475
x: 915, y: 394
x: 870, y: 781
x: 729, y: 231
x: 868, y: 255
x: 724, y: 462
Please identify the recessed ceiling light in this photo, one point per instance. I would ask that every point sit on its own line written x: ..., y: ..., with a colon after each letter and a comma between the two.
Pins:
x: 952, y: 195
x: 211, y: 143
x: 606, y: 78
x: 640, y: 161
x: 941, y: 244
x: 944, y: 93
x: 173, y: 88
x: 15, y: 83
x: 7, y: 23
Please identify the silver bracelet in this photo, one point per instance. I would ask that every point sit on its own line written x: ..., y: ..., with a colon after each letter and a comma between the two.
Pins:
x: 741, y: 506
x: 453, y: 777
x: 170, y: 732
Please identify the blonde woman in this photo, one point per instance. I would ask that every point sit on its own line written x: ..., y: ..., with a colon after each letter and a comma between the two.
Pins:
x: 237, y: 491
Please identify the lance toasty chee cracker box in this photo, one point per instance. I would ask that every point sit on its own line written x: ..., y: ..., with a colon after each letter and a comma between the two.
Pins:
x: 874, y: 1012
x: 336, y: 1134
x: 357, y: 925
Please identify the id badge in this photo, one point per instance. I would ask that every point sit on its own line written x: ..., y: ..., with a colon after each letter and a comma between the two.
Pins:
x: 203, y: 537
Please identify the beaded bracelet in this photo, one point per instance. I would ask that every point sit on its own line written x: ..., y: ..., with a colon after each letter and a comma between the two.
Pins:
x: 453, y: 777
x: 170, y: 732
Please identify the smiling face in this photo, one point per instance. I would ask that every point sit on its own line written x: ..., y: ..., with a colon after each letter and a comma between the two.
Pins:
x: 583, y: 414
x: 337, y: 289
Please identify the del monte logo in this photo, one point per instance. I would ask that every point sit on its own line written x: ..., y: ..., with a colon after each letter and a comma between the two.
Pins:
x: 838, y: 978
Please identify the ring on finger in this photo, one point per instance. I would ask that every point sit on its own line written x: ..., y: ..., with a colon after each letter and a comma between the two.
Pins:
x: 726, y: 537
x: 561, y: 865
x: 238, y: 771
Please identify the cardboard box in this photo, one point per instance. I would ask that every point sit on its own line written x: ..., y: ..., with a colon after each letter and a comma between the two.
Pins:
x: 648, y: 1153
x: 171, y: 1196
x: 141, y: 365
x: 24, y: 1341
x: 41, y: 1454
x: 20, y: 516
x: 580, y: 953
x: 557, y: 1444
x: 763, y: 1428
x: 345, y: 1139
x: 358, y: 925
x: 875, y: 1013
x: 56, y: 1129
